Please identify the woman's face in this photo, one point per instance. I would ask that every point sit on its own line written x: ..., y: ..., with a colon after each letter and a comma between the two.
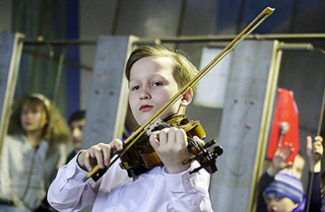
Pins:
x: 33, y: 118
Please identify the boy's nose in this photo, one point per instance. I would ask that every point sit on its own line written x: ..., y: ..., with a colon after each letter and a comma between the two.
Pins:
x: 76, y: 132
x: 272, y: 206
x: 145, y: 94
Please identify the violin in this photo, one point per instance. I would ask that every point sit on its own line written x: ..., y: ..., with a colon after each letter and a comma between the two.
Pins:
x: 142, y: 156
x: 136, y: 159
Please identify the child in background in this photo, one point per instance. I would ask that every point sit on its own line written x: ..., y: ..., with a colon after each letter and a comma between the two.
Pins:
x: 285, y: 193
x: 76, y: 124
x: 155, y: 74
x: 282, y: 190
x: 32, y: 152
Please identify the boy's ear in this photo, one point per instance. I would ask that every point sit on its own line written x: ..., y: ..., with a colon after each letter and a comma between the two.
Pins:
x: 187, y: 97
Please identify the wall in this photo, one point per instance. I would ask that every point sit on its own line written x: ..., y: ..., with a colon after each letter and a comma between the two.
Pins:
x: 5, y: 15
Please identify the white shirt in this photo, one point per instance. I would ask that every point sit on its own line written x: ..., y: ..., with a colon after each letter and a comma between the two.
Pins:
x: 154, y: 190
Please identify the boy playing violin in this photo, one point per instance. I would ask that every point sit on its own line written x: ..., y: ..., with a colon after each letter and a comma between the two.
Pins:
x: 155, y: 74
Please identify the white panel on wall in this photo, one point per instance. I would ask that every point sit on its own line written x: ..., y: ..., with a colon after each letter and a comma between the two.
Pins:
x: 212, y: 88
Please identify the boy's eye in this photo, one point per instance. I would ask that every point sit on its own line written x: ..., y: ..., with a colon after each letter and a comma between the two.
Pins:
x: 157, y: 84
x: 278, y: 197
x: 267, y: 199
x: 135, y: 88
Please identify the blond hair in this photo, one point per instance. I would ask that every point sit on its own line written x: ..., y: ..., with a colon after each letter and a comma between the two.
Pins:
x: 184, y: 70
x: 55, y: 131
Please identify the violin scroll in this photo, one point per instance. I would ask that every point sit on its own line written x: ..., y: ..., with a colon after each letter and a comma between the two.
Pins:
x: 206, y: 158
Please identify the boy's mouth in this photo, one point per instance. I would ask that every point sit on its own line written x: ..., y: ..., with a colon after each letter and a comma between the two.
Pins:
x: 145, y: 107
x: 76, y: 141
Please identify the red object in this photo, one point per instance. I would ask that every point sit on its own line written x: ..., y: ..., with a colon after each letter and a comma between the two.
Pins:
x: 285, y: 112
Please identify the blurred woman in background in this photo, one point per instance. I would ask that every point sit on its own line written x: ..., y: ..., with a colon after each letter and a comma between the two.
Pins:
x: 32, y: 151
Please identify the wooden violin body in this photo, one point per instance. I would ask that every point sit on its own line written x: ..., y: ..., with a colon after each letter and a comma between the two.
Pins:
x: 142, y: 157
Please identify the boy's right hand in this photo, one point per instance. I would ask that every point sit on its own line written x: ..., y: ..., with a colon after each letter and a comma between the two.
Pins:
x: 99, y: 154
x: 281, y: 154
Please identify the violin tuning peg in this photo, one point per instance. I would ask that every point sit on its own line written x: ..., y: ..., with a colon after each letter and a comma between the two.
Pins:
x: 218, y: 150
x: 210, y: 143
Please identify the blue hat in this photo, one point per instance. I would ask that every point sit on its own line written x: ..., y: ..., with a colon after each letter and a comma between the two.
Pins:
x: 288, y: 185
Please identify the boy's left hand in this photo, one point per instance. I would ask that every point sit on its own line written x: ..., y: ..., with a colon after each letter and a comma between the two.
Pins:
x: 315, y: 153
x: 171, y: 146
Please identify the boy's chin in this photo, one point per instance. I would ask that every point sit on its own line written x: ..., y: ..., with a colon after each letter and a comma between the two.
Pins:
x: 143, y: 119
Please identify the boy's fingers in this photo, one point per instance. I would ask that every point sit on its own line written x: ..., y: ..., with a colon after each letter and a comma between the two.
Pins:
x: 319, y: 138
x: 181, y: 137
x: 162, y: 136
x: 106, y: 154
x: 171, y: 134
x: 153, y: 139
x: 116, y: 144
x: 97, y: 153
x: 318, y: 147
x: 86, y: 162
x: 288, y: 147
x: 291, y: 150
x: 285, y: 146
x: 287, y: 153
x: 282, y: 146
x: 88, y: 166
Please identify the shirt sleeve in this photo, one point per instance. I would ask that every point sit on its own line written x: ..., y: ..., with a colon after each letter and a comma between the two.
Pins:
x: 68, y: 192
x: 188, y: 192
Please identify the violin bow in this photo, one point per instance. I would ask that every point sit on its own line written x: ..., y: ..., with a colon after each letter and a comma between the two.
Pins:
x: 131, y: 140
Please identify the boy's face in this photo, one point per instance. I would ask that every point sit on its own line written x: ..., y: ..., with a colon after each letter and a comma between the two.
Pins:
x: 151, y: 85
x: 278, y: 203
x: 76, y: 128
